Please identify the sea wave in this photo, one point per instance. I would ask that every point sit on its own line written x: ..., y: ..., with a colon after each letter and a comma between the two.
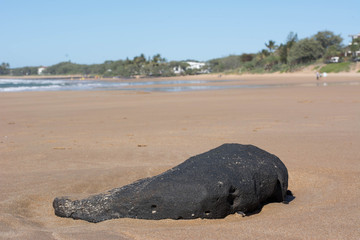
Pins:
x: 32, y: 88
x: 30, y: 81
x: 22, y: 85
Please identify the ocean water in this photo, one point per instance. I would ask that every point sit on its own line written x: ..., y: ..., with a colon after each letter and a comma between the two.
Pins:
x: 22, y: 85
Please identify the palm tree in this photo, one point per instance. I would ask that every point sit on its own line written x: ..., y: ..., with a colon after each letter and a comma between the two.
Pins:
x: 271, y: 45
x: 4, y: 68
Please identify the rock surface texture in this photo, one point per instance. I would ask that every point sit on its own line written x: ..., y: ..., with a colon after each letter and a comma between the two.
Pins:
x: 225, y: 180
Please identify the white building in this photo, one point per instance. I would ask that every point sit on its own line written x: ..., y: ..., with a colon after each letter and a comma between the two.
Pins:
x: 195, y: 65
x: 357, y: 53
x: 178, y: 70
x: 355, y: 36
x: 40, y: 70
x: 192, y: 66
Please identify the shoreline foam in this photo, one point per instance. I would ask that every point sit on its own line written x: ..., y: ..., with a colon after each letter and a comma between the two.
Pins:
x: 176, y: 84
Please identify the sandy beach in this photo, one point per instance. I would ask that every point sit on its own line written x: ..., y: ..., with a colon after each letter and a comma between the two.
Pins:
x: 79, y: 143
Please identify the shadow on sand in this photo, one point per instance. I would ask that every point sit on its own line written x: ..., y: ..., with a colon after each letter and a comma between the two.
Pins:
x: 288, y: 198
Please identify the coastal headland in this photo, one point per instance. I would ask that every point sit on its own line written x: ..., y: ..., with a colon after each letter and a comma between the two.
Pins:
x: 79, y: 143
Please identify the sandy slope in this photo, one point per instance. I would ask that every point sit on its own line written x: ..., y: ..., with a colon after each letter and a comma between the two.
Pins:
x: 81, y: 143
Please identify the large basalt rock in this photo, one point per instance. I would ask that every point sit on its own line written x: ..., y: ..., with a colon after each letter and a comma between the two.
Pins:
x: 225, y: 180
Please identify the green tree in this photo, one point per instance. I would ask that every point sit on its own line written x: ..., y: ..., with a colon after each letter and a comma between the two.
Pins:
x: 245, y: 57
x: 284, y: 49
x: 65, y: 68
x: 24, y: 71
x: 216, y: 65
x: 327, y: 39
x: 263, y: 54
x: 270, y: 61
x: 230, y: 62
x: 139, y: 63
x: 158, y: 59
x: 291, y: 39
x: 4, y: 68
x: 332, y: 51
x: 305, y: 51
x: 271, y: 45
x: 330, y: 42
x: 140, y: 59
x: 283, y: 53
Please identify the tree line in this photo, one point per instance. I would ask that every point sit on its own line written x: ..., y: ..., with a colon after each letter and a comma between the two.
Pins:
x: 139, y: 65
x: 287, y: 56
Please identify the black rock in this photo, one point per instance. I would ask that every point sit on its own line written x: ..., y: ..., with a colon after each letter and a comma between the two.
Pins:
x: 232, y: 178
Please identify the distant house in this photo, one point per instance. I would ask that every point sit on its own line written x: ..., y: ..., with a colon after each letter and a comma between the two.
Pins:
x: 178, y: 70
x: 40, y: 70
x: 348, y: 52
x: 195, y: 65
x: 192, y: 65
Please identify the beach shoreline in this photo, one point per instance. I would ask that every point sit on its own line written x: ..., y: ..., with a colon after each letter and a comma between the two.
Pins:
x: 80, y: 143
x: 209, y: 76
x: 177, y: 84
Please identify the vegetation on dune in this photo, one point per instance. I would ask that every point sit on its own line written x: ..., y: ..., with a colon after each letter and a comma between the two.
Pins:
x: 339, y: 67
x: 139, y: 65
x: 292, y: 55
x: 305, y: 51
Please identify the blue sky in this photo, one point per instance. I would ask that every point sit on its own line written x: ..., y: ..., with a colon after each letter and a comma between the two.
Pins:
x: 46, y: 32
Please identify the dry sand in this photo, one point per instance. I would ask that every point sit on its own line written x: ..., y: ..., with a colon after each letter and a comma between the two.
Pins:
x: 81, y: 143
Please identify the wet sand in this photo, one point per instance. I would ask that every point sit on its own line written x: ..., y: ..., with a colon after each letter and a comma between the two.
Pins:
x: 82, y: 143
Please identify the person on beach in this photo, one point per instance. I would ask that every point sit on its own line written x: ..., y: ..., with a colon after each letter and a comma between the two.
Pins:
x: 317, y: 75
